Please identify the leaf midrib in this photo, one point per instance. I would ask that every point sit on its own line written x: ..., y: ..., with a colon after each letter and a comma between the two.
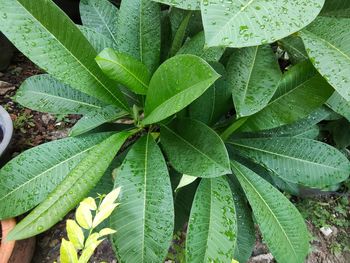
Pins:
x: 193, y: 147
x: 48, y: 170
x: 282, y: 155
x: 272, y: 213
x: 126, y: 69
x: 69, y: 52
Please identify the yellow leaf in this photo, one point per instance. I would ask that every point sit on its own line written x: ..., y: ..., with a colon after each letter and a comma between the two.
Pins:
x: 75, y: 234
x: 89, y: 202
x: 110, y: 198
x: 83, y: 216
x: 68, y: 254
x: 106, y: 231
x: 103, y: 213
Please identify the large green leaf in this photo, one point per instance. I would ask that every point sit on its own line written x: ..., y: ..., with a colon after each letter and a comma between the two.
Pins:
x: 281, y: 225
x: 145, y: 218
x: 290, y: 130
x: 97, y: 40
x: 254, y: 74
x: 176, y: 83
x: 28, y: 178
x: 194, y: 149
x: 125, y: 70
x: 297, y: 160
x: 96, y: 118
x: 71, y: 190
x: 327, y: 44
x: 41, y: 31
x: 339, y: 105
x: 212, y: 228
x: 337, y: 8
x: 255, y: 22
x: 139, y: 31
x: 196, y: 46
x: 183, y: 4
x: 300, y: 92
x: 215, y: 101
x: 245, y: 226
x: 100, y: 15
x: 46, y: 94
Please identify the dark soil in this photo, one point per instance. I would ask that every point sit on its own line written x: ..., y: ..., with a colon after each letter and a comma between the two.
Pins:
x: 32, y: 128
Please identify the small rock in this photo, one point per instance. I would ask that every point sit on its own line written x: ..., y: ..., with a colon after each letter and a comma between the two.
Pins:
x: 326, y: 231
x: 46, y: 118
x: 6, y: 87
x: 1, y: 74
x: 264, y: 258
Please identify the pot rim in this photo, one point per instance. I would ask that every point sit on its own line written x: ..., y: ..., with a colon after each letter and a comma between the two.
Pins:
x: 7, y: 129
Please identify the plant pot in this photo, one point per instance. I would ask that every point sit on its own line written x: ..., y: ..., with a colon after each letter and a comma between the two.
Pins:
x: 6, y: 130
x: 20, y: 251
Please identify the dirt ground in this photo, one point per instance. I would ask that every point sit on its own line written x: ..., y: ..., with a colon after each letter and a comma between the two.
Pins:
x: 32, y: 128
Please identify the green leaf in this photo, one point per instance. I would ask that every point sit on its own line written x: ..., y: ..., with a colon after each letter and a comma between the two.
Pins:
x: 97, y: 40
x: 75, y: 234
x: 297, y: 160
x: 125, y: 70
x: 139, y: 31
x: 68, y: 254
x: 339, y: 105
x: 329, y: 51
x: 176, y: 83
x: 255, y: 22
x: 281, y: 225
x: 194, y: 149
x: 254, y: 75
x: 51, y: 40
x: 46, y: 94
x: 212, y: 228
x: 215, y: 101
x: 290, y: 130
x: 183, y: 4
x: 145, y: 219
x: 300, y: 92
x: 337, y: 8
x: 96, y: 118
x: 47, y: 164
x: 196, y: 46
x: 179, y: 36
x: 245, y: 226
x: 295, y: 49
x: 101, y: 16
x: 71, y: 190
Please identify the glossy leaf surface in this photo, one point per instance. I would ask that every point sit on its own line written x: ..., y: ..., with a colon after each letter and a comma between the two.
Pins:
x: 125, y: 70
x: 101, y: 16
x: 145, y: 218
x: 255, y: 22
x: 327, y: 44
x: 41, y: 168
x: 297, y: 160
x: 71, y: 190
x: 183, y: 4
x: 46, y: 94
x: 254, y: 75
x: 96, y: 118
x: 300, y: 92
x: 177, y: 82
x: 41, y: 31
x: 96, y: 39
x: 139, y: 31
x: 196, y: 46
x: 194, y: 149
x: 281, y: 225
x: 212, y: 228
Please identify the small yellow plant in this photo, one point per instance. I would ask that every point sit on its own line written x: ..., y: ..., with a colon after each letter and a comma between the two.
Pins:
x: 82, y: 240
